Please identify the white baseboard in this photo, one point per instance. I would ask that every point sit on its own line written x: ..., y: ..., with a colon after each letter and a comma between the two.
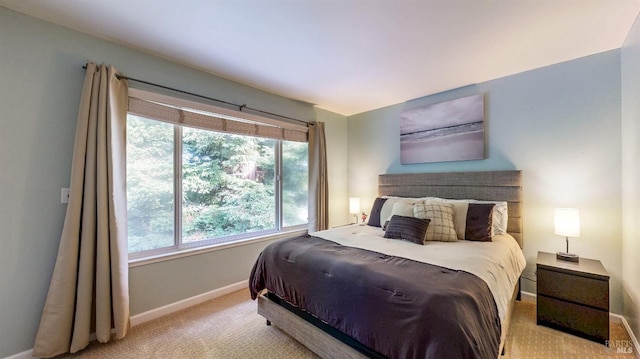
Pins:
x: 613, y: 317
x: 634, y: 340
x: 24, y: 355
x: 186, y: 303
x: 164, y: 310
x: 527, y: 296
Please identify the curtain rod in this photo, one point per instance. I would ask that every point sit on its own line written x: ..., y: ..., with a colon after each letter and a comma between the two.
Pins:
x: 240, y: 107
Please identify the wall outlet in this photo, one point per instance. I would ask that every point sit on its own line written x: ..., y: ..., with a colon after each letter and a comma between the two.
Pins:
x: 64, y: 195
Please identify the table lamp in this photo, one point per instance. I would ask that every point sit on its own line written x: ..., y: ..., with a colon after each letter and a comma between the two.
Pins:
x: 354, y: 207
x: 567, y: 224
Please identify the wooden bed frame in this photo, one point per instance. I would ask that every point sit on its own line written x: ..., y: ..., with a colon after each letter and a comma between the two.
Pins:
x: 490, y: 186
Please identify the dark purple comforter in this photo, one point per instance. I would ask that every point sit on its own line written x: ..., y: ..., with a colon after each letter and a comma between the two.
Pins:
x: 395, y: 306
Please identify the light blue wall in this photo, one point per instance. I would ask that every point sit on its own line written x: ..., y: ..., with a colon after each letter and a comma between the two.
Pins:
x: 560, y: 125
x: 631, y: 178
x: 41, y: 77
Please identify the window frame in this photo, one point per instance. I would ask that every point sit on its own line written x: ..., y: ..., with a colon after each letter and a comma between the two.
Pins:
x: 181, y: 249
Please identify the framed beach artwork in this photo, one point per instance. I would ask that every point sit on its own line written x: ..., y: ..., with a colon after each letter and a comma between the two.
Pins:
x: 445, y: 131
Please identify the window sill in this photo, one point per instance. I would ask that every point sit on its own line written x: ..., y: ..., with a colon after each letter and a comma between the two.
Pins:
x: 137, y: 262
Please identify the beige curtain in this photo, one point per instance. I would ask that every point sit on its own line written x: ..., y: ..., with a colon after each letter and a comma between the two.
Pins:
x: 89, y: 290
x: 318, y: 181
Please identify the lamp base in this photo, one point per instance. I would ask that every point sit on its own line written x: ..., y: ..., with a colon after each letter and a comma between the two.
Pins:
x: 569, y: 257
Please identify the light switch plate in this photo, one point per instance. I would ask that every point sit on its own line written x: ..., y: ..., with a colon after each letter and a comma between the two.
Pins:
x: 64, y: 195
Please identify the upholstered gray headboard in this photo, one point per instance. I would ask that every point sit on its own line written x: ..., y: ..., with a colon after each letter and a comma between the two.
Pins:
x: 487, y: 186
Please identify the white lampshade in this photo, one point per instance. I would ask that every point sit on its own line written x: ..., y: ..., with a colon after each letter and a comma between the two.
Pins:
x: 354, y: 205
x: 567, y: 222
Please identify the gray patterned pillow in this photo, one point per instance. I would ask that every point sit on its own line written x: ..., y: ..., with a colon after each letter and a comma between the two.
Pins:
x: 441, y: 227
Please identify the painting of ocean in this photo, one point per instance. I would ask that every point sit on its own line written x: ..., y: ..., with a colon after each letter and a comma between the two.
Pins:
x: 445, y: 131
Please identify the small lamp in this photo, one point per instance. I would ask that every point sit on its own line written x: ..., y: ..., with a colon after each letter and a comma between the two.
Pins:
x: 354, y: 207
x: 567, y: 223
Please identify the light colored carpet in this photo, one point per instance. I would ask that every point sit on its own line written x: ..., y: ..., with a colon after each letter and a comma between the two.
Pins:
x: 228, y: 327
x: 526, y: 340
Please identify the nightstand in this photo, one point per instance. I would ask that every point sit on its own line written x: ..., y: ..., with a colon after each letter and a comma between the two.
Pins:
x: 573, y: 297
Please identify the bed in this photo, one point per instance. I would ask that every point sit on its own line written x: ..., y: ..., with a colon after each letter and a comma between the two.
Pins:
x: 349, y: 292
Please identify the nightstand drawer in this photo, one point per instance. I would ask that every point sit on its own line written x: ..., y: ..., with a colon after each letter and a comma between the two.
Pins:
x: 579, y: 320
x: 582, y: 290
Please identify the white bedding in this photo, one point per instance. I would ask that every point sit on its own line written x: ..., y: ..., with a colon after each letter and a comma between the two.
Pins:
x: 498, y: 263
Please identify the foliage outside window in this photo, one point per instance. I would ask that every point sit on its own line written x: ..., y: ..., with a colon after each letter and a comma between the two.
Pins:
x: 189, y: 187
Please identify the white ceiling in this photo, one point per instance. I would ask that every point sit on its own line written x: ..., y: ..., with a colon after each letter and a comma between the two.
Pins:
x: 351, y: 56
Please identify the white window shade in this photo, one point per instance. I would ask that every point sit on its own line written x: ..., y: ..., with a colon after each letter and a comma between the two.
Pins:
x: 250, y: 125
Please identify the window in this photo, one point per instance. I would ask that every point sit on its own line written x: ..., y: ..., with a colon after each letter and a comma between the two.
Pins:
x: 189, y: 187
x: 150, y: 184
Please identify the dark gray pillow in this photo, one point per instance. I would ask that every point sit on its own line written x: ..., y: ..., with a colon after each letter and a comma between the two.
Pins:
x: 374, y: 216
x: 408, y: 228
x: 479, y: 219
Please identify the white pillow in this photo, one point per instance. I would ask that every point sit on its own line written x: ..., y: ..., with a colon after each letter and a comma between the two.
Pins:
x: 402, y: 208
x: 387, y: 208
